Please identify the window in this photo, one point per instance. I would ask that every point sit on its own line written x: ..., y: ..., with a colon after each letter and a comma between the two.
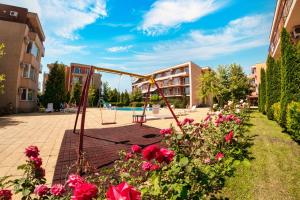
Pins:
x: 177, y: 71
x: 26, y: 94
x: 166, y: 82
x: 87, y: 71
x: 187, y: 90
x: 186, y: 80
x: 32, y: 49
x: 77, y: 70
x: 176, y: 91
x: 29, y: 72
x: 176, y: 81
x: 186, y: 70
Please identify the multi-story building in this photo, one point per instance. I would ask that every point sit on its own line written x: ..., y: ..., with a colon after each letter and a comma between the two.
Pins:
x: 23, y: 36
x: 287, y: 15
x: 176, y: 82
x: 255, y: 81
x: 76, y: 73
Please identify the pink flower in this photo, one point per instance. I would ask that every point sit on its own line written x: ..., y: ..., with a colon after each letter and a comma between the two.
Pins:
x: 165, y: 155
x: 149, y: 152
x: 74, y: 180
x: 230, y: 117
x: 207, y: 118
x: 123, y: 191
x: 207, y: 160
x: 128, y: 156
x: 219, y: 156
x: 146, y: 166
x: 41, y: 190
x: 155, y: 167
x: 167, y: 131
x: 57, y: 190
x: 187, y: 121
x: 136, y: 149
x: 32, y: 151
x: 237, y: 120
x: 37, y: 161
x: 85, y: 191
x: 5, y: 194
x: 229, y: 136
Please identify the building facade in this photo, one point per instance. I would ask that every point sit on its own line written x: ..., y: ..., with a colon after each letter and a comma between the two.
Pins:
x: 287, y: 15
x: 76, y: 73
x: 176, y: 82
x: 23, y: 36
x: 255, y: 81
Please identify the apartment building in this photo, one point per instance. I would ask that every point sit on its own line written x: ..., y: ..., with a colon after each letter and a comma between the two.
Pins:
x: 255, y: 81
x: 23, y: 36
x: 75, y: 73
x: 287, y: 14
x: 176, y: 82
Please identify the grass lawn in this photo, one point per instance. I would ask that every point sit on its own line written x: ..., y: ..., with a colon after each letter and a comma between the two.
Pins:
x: 274, y: 172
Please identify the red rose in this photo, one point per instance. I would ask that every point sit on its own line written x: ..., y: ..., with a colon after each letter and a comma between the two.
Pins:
x: 74, y: 180
x: 85, y: 191
x: 219, y: 156
x: 167, y: 131
x: 41, y: 190
x: 32, y: 151
x: 37, y: 161
x: 57, y: 190
x: 165, y: 155
x: 149, y: 152
x: 136, y: 149
x: 229, y: 136
x: 123, y: 191
x: 5, y: 194
x: 187, y: 121
x: 146, y: 166
x: 155, y: 167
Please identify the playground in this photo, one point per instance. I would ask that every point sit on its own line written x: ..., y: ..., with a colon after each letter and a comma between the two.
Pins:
x: 50, y: 131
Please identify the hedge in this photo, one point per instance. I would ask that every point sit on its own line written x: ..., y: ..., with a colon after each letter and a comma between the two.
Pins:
x: 276, y: 111
x: 262, y: 91
x: 293, y: 120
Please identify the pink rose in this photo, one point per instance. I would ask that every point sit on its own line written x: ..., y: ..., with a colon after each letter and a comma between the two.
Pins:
x: 37, y: 161
x: 155, y: 167
x: 123, y: 191
x: 187, y: 121
x: 136, y: 148
x: 41, y: 190
x: 32, y: 151
x: 146, y: 166
x: 5, y: 194
x: 149, y: 152
x: 165, y: 155
x: 207, y: 160
x: 128, y: 156
x: 57, y: 190
x: 74, y: 180
x: 219, y: 156
x: 229, y: 136
x: 167, y: 131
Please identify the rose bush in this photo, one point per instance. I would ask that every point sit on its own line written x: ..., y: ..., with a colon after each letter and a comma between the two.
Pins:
x: 188, y: 164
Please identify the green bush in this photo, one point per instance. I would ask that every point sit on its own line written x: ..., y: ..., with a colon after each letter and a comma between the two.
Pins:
x: 262, y: 92
x: 293, y: 120
x: 276, y: 111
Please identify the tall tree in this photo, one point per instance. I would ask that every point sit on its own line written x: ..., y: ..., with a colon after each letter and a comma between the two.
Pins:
x: 126, y: 99
x: 136, y: 95
x: 209, y: 85
x: 290, y: 74
x: 262, y: 91
x: 55, y: 86
x: 106, y: 90
x: 91, y: 96
x: 76, y: 93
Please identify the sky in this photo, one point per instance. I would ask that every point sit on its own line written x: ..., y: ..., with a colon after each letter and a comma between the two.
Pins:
x: 141, y: 36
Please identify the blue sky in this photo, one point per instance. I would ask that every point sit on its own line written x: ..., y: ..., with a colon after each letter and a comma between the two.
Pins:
x: 141, y: 36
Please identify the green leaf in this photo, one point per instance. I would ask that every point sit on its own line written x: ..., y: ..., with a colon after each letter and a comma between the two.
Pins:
x: 183, y: 161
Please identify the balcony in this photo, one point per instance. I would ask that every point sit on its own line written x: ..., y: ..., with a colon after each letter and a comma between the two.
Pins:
x: 30, y: 59
x: 283, y: 10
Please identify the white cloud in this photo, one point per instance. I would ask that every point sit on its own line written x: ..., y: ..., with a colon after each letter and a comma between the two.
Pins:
x: 124, y: 38
x: 165, y: 14
x: 119, y: 48
x: 238, y: 35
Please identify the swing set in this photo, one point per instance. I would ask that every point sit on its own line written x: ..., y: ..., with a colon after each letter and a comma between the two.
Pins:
x: 140, y: 119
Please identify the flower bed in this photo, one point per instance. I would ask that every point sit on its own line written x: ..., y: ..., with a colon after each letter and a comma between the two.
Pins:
x: 188, y: 164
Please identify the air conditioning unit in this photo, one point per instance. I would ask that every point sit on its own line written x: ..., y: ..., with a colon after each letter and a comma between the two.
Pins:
x: 296, y: 31
x: 13, y: 13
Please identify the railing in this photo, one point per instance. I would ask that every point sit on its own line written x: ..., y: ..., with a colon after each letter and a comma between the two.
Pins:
x: 283, y: 10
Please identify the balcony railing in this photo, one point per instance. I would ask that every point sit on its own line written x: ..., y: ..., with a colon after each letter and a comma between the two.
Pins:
x: 283, y: 11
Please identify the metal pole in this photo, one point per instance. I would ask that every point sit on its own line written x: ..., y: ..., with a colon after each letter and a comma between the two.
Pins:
x: 146, y: 100
x: 80, y: 147
x: 167, y: 103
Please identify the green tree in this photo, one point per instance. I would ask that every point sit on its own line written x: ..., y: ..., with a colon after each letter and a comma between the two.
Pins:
x: 113, y: 95
x: 126, y: 99
x: 106, y: 90
x: 55, y: 86
x: 209, y: 84
x: 290, y: 74
x: 136, y: 95
x: 224, y: 84
x: 272, y: 85
x: 239, y: 84
x: 68, y: 97
x: 92, y: 96
x: 97, y: 96
x: 2, y: 76
x: 262, y: 91
x: 76, y: 94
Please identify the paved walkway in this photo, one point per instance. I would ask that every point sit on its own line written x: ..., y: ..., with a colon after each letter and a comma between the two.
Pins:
x: 47, y: 131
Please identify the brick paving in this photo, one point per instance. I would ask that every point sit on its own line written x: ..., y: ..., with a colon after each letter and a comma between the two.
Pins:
x: 51, y: 133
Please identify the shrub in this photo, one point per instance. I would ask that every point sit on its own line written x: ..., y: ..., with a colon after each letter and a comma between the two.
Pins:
x: 293, y: 120
x: 262, y: 92
x: 276, y: 111
x: 136, y: 104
